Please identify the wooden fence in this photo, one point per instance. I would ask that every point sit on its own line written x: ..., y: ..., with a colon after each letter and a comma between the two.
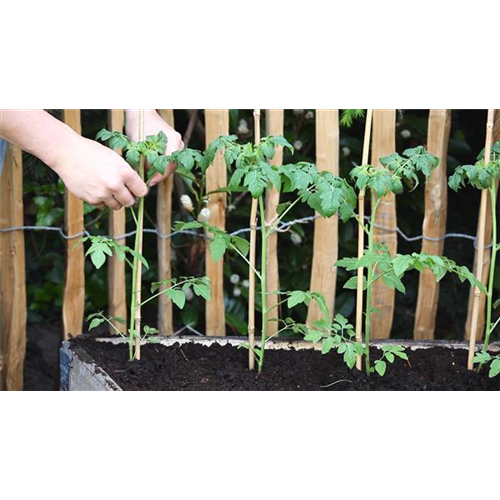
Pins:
x: 323, y: 274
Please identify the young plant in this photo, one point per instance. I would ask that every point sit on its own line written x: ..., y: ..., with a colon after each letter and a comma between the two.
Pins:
x: 378, y: 261
x: 251, y: 172
x: 485, y: 176
x: 152, y: 150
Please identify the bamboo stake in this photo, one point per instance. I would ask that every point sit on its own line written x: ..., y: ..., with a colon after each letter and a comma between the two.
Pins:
x: 488, y: 230
x: 480, y: 242
x: 138, y: 276
x: 274, y: 126
x: 361, y: 236
x: 253, y: 245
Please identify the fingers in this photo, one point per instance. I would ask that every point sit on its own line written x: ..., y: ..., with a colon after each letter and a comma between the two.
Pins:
x: 136, y: 185
x: 112, y: 203
x: 124, y: 197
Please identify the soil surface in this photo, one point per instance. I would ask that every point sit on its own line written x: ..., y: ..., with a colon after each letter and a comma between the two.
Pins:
x: 223, y: 368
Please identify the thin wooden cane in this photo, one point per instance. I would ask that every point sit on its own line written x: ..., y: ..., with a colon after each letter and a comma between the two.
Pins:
x: 253, y: 245
x: 138, y: 282
x: 488, y: 230
x: 480, y: 242
x: 361, y: 236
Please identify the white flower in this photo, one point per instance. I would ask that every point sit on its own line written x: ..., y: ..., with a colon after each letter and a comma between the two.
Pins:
x: 309, y: 115
x: 234, y: 279
x: 187, y: 203
x: 298, y: 112
x: 296, y: 238
x: 243, y: 127
x: 298, y: 145
x: 236, y: 291
x: 346, y: 151
x: 204, y: 215
x: 245, y: 284
x: 405, y: 134
x: 189, y: 294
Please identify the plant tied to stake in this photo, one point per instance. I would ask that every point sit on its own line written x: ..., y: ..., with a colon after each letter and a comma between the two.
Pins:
x: 151, y: 149
x: 396, y: 171
x: 485, y: 176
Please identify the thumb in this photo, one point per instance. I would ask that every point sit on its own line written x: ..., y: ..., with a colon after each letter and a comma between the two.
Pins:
x: 136, y: 185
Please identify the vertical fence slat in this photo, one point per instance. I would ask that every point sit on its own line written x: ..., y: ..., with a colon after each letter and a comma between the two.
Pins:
x: 486, y: 258
x: 12, y: 275
x: 434, y: 226
x: 74, y: 282
x: 117, y: 295
x: 384, y: 142
x: 216, y: 123
x: 325, y: 253
x: 164, y: 223
x: 274, y: 126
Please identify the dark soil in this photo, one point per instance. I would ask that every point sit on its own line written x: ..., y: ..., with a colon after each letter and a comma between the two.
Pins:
x: 223, y: 368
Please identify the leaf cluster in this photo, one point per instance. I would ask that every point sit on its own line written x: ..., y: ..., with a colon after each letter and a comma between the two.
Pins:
x: 175, y: 288
x: 102, y: 247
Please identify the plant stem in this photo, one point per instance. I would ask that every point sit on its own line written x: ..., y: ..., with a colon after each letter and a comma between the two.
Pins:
x: 263, y: 281
x: 371, y: 270
x: 491, y: 279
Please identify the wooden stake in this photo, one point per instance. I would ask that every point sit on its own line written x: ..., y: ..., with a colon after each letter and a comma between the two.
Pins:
x: 434, y: 225
x: 361, y: 236
x: 480, y: 242
x: 488, y: 229
x: 12, y: 274
x: 325, y: 247
x: 253, y: 246
x: 74, y: 283
x: 274, y: 126
x: 164, y: 223
x: 383, y: 297
x: 117, y: 295
x: 217, y: 123
x: 140, y: 219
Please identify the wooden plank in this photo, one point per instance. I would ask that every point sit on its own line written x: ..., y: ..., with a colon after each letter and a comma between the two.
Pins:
x: 325, y: 247
x: 216, y: 123
x: 434, y: 226
x: 274, y: 126
x: 117, y: 294
x: 74, y: 281
x: 486, y: 258
x: 12, y: 274
x: 384, y: 142
x: 164, y: 224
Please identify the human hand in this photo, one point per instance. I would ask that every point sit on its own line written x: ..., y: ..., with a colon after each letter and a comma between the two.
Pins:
x: 98, y: 175
x: 153, y: 123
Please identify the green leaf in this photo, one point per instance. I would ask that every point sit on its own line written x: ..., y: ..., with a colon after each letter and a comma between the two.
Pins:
x: 296, y: 297
x: 352, y: 283
x: 327, y: 345
x: 95, y: 323
x: 494, y: 368
x: 177, y: 297
x: 380, y: 367
x: 202, y: 290
x: 241, y: 244
x: 218, y: 248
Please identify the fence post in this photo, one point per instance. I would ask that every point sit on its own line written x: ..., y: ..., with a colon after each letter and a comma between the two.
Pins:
x: 486, y: 258
x: 12, y: 275
x: 74, y: 281
x: 274, y: 126
x: 216, y: 123
x: 117, y: 289
x: 434, y: 226
x: 325, y: 249
x: 384, y: 142
x: 164, y: 225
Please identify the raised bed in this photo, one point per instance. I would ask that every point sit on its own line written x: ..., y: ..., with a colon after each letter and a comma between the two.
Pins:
x: 90, y: 363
